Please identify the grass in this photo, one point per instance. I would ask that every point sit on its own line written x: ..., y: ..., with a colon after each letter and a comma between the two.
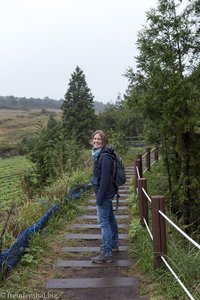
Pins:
x: 16, y: 124
x: 28, y: 211
x: 37, y: 265
x: 183, y: 257
x: 11, y: 170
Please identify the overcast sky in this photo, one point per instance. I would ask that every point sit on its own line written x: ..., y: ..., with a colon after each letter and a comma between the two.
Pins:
x: 42, y: 42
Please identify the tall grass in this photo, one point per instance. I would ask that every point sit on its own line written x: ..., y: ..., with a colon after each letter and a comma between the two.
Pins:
x: 36, y: 265
x: 31, y: 210
x: 182, y: 256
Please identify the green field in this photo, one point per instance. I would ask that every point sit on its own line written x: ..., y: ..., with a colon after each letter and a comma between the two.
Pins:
x: 10, y: 187
x: 15, y: 124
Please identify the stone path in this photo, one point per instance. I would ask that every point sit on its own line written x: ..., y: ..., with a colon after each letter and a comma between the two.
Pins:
x: 78, y: 277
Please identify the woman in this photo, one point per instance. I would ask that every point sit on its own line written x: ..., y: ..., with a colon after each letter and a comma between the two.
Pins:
x: 104, y: 191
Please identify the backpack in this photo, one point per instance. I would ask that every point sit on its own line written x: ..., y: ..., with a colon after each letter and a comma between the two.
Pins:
x: 119, y: 174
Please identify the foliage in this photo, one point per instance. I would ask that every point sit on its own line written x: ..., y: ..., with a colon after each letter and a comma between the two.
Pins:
x: 120, y: 119
x: 40, y: 255
x: 78, y: 117
x: 17, y: 103
x: 30, y: 208
x: 25, y: 103
x: 52, y: 155
x: 182, y: 256
x: 44, y: 154
x: 165, y: 91
x: 11, y: 172
x: 17, y: 127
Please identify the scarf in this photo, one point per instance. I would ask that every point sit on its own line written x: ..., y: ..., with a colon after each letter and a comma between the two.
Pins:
x: 96, y: 152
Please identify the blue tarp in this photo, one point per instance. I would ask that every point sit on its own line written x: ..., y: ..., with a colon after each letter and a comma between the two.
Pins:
x: 77, y: 192
x: 10, y: 257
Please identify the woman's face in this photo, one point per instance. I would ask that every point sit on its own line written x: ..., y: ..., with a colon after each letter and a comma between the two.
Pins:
x: 97, y: 141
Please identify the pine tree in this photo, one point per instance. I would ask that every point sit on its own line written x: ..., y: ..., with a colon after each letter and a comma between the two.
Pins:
x: 78, y: 109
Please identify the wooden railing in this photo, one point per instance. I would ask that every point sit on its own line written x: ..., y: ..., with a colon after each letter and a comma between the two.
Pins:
x: 158, y: 217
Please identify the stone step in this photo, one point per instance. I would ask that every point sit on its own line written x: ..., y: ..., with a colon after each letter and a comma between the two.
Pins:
x: 94, y: 226
x: 91, y: 236
x: 94, y: 217
x: 85, y: 283
x: 90, y: 264
x: 88, y: 249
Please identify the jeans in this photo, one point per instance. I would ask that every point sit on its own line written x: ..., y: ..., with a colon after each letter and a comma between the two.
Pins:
x: 108, y: 225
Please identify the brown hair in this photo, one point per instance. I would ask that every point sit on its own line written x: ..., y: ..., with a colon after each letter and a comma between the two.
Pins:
x: 102, y: 135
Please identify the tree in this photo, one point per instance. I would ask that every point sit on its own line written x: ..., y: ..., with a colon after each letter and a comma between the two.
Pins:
x: 78, y: 116
x: 44, y: 152
x: 122, y: 119
x: 161, y: 89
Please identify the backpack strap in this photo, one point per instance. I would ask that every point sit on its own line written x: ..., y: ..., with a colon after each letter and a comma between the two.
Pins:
x: 114, y: 174
x: 114, y: 164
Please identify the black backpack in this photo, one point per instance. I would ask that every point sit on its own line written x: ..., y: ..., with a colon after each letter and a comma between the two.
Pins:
x: 119, y: 174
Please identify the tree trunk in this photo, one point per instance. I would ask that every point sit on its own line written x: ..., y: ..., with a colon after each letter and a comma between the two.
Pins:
x: 188, y: 201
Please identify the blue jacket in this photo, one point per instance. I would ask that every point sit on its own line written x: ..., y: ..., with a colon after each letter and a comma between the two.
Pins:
x: 102, y: 177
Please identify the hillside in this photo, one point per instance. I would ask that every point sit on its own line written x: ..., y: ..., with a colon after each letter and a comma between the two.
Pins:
x: 19, y: 117
x: 16, y: 124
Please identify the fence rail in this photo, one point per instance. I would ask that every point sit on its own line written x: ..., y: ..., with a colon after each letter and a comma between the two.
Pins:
x: 158, y: 235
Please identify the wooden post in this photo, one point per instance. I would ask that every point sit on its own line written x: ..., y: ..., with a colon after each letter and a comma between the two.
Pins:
x: 148, y: 158
x: 158, y: 230
x: 156, y: 153
x: 142, y: 201
x: 136, y: 175
x: 139, y: 157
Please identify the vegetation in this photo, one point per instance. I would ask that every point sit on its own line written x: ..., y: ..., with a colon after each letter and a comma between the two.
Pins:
x: 59, y: 146
x: 19, y: 103
x: 24, y: 103
x: 78, y: 117
x: 18, y: 126
x: 165, y: 90
x: 30, y: 275
x: 121, y: 119
x: 162, y: 103
x: 182, y: 256
x: 41, y: 253
x: 10, y: 185
x: 30, y: 208
x: 19, y: 122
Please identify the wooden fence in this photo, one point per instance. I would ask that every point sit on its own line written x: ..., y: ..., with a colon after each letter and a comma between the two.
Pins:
x: 157, y: 232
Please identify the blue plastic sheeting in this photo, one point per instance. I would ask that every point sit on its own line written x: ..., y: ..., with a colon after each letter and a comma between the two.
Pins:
x: 77, y: 192
x: 10, y: 257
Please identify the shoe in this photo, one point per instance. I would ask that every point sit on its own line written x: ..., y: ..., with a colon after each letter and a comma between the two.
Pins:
x: 101, y: 259
x: 115, y: 249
